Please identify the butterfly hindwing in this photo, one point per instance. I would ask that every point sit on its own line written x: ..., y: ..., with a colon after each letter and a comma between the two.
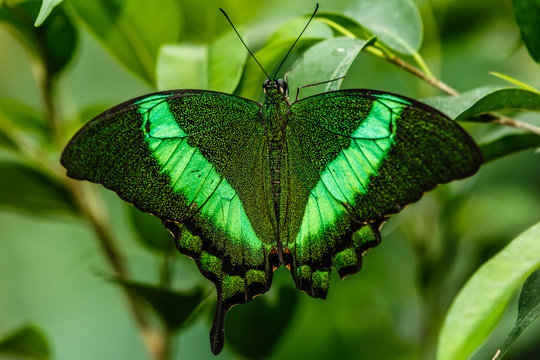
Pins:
x: 191, y: 158
x: 353, y: 158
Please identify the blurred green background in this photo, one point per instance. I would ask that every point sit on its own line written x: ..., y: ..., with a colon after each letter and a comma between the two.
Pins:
x: 52, y: 272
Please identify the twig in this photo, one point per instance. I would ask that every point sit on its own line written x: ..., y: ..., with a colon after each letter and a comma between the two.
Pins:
x: 503, y: 120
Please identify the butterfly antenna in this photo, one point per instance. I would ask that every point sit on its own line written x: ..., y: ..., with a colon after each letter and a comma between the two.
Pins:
x: 250, y: 53
x: 298, y: 38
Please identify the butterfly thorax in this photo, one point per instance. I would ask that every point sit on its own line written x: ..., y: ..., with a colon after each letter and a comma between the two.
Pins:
x: 276, y: 110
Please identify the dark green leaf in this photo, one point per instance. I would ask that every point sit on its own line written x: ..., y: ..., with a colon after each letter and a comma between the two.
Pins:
x: 509, y: 144
x: 527, y: 13
x: 328, y: 60
x: 52, y: 44
x: 396, y: 23
x: 27, y: 342
x: 133, y: 31
x: 173, y: 307
x: 46, y: 8
x: 482, y: 301
x: 528, y: 310
x: 150, y: 230
x: 265, y: 323
x: 472, y: 104
x: 217, y: 66
x: 25, y: 188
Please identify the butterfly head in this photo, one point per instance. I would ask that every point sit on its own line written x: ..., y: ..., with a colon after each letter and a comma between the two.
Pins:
x: 276, y: 89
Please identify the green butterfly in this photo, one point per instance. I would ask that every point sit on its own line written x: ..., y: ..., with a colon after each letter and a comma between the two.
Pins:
x: 246, y: 187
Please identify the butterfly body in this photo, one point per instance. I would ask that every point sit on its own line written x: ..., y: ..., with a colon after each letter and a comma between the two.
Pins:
x: 247, y: 187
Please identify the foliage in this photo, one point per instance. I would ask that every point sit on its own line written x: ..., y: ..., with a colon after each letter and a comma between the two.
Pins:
x: 86, y: 55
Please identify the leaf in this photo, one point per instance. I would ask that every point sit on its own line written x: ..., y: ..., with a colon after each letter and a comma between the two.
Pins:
x: 328, y: 60
x: 292, y: 28
x: 396, y: 23
x: 509, y: 144
x: 133, y: 31
x: 270, y: 57
x: 151, y: 232
x: 52, y: 44
x: 472, y: 104
x: 343, y: 24
x: 528, y: 310
x: 26, y: 342
x: 264, y: 322
x: 25, y: 188
x: 527, y: 13
x: 481, y: 302
x: 514, y: 81
x: 173, y: 307
x: 17, y: 120
x: 46, y: 8
x: 217, y: 66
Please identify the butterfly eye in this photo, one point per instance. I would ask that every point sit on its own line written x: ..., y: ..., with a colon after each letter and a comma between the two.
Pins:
x: 282, y: 86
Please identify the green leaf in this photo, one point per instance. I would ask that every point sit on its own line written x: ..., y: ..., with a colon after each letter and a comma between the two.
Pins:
x: 328, y: 60
x: 509, y: 144
x: 52, y: 44
x: 472, y: 104
x: 514, y: 81
x: 270, y: 57
x: 265, y: 323
x: 133, y: 31
x: 217, y: 66
x: 173, y: 307
x: 527, y: 13
x: 18, y: 120
x: 25, y: 188
x: 396, y: 23
x: 292, y: 29
x: 343, y: 25
x: 26, y: 342
x: 151, y: 232
x: 528, y: 310
x: 482, y: 301
x: 46, y: 8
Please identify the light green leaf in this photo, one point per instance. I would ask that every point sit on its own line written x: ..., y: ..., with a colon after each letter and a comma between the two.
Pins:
x: 515, y: 81
x: 328, y: 60
x: 292, y: 29
x: 18, y: 120
x: 133, y: 31
x: 509, y: 144
x: 396, y: 23
x: 46, y: 8
x: 25, y: 188
x: 53, y: 44
x: 27, y: 342
x: 217, y: 66
x: 173, y: 307
x: 528, y: 310
x: 482, y: 301
x: 527, y: 13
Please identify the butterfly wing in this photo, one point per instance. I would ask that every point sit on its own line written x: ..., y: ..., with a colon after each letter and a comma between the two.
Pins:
x: 197, y: 160
x: 354, y: 157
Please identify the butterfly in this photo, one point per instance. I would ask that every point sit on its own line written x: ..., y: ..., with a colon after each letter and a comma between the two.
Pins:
x: 246, y: 187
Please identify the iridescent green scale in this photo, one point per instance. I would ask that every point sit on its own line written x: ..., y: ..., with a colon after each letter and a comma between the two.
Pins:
x: 247, y: 187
